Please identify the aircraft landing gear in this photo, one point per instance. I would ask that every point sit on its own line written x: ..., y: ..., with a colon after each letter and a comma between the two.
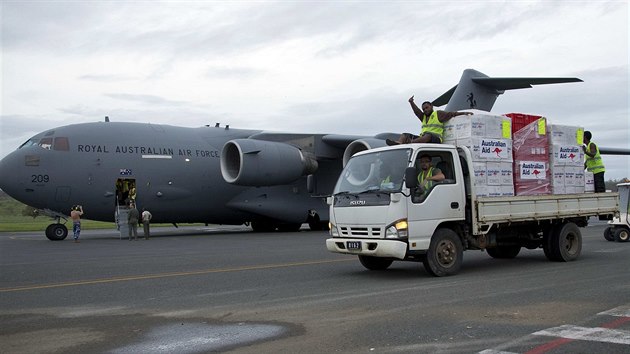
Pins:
x: 271, y: 226
x: 56, y: 232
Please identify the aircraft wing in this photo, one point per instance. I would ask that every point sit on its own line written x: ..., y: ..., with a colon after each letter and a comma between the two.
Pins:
x: 613, y: 151
x: 342, y: 141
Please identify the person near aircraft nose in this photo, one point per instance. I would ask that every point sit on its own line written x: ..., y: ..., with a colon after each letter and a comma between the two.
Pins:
x: 432, y: 124
x: 132, y: 219
x: 593, y: 162
x: 146, y: 219
x: 75, y: 215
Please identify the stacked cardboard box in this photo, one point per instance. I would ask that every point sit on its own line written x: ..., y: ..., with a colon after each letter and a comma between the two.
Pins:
x: 532, y: 173
x: 589, y: 182
x: 566, y: 159
x: 489, y: 138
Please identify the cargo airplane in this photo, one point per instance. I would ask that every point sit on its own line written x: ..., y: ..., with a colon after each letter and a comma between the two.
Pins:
x: 210, y: 174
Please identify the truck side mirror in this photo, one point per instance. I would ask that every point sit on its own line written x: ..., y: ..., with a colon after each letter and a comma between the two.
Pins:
x: 411, y: 178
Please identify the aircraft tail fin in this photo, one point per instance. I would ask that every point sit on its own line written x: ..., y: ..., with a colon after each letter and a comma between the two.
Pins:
x: 477, y: 90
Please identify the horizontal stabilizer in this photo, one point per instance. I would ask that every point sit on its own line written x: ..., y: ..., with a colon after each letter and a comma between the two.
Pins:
x: 513, y: 83
x: 477, y: 90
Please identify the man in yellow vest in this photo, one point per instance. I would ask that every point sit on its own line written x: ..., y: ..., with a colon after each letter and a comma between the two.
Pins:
x: 594, y: 162
x: 427, y: 177
x: 432, y: 124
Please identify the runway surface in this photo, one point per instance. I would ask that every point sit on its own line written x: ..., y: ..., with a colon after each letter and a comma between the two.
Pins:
x: 217, y: 289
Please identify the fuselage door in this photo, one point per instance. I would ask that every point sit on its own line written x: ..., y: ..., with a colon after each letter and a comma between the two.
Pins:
x: 62, y: 194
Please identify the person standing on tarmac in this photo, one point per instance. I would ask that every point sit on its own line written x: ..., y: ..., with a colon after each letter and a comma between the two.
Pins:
x: 75, y: 215
x: 593, y: 162
x: 132, y: 219
x: 146, y: 219
x: 432, y: 124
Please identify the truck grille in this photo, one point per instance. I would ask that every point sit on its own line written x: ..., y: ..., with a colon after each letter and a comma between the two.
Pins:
x: 371, y: 232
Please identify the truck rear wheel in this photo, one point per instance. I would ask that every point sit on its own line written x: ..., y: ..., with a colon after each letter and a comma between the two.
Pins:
x: 375, y: 263
x: 608, y: 234
x: 505, y: 252
x: 564, y: 243
x: 445, y: 253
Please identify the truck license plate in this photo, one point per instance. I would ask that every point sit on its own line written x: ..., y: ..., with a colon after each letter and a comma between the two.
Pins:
x: 353, y: 245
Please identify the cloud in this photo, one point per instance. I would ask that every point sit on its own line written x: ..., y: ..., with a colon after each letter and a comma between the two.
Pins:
x: 331, y: 67
x: 145, y: 99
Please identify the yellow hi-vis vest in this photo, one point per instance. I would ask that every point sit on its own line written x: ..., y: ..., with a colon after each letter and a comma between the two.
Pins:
x: 594, y: 164
x: 433, y: 125
x: 422, y: 178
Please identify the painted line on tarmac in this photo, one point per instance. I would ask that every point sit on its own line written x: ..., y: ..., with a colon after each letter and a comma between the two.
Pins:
x: 167, y: 275
x: 597, y: 334
x: 569, y: 333
x: 604, y: 333
x: 621, y: 311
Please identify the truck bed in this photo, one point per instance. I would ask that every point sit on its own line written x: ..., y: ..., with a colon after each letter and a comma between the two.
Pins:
x: 495, y: 210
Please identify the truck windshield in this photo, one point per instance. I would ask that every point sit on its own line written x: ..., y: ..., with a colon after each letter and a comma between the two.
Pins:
x: 377, y: 171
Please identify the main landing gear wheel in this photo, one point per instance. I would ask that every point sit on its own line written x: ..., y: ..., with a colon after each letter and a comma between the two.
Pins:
x: 56, y: 232
x: 288, y: 227
x: 445, y: 253
x: 263, y: 226
x: 315, y: 224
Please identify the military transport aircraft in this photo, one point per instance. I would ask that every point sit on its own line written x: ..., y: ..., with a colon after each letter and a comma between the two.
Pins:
x: 210, y: 174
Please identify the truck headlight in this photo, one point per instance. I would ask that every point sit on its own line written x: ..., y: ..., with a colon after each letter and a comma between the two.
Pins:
x: 333, y: 230
x: 399, y: 229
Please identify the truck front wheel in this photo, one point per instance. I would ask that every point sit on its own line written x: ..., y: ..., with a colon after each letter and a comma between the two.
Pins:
x: 445, y: 253
x: 375, y: 263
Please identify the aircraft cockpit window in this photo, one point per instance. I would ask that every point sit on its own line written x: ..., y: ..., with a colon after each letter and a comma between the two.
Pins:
x: 46, y: 143
x: 61, y: 144
x: 29, y: 142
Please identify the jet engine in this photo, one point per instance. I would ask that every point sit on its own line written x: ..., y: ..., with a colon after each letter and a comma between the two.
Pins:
x: 249, y: 162
x: 361, y: 145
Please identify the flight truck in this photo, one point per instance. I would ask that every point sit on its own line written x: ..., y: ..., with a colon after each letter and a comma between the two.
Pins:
x: 382, y: 212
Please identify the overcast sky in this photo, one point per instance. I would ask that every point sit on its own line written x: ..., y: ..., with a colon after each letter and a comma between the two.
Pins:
x: 307, y: 66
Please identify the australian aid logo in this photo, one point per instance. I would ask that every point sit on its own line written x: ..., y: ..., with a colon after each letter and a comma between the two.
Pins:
x: 533, y: 170
x: 569, y: 154
x: 494, y: 149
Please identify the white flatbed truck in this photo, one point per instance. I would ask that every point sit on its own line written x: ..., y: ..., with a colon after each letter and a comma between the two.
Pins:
x: 380, y: 214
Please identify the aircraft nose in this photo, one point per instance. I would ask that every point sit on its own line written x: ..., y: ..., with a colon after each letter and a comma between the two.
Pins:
x: 7, y: 164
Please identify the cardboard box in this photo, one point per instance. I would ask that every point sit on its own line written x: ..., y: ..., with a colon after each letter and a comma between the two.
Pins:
x: 565, y: 134
x: 566, y: 155
x: 493, y: 173
x: 589, y: 182
x: 506, y: 191
x: 507, y: 174
x: 480, y: 124
x: 480, y: 173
